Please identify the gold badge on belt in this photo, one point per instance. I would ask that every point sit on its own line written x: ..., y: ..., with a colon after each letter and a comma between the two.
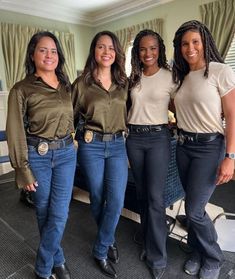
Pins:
x: 43, y: 148
x: 88, y: 136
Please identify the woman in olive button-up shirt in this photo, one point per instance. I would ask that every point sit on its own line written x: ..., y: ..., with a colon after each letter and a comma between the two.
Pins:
x: 39, y: 127
x: 99, y: 99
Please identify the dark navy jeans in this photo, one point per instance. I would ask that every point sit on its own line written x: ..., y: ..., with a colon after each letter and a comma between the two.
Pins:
x: 149, y: 155
x: 54, y: 173
x: 198, y: 164
x: 104, y: 165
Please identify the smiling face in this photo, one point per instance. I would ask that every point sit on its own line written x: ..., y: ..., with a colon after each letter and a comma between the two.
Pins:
x: 149, y: 52
x: 104, y: 52
x: 45, y: 55
x: 192, y: 50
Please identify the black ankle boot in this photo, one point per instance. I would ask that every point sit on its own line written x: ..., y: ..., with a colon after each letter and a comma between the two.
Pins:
x: 26, y: 198
x: 106, y: 267
x: 113, y: 254
x: 39, y: 277
x: 61, y: 272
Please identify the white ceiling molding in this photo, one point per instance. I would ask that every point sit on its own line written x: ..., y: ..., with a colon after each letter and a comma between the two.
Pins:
x: 49, y: 11
x: 126, y: 9
x: 61, y: 11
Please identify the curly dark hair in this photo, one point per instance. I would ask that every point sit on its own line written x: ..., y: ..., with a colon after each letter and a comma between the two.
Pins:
x: 137, y: 65
x: 30, y: 65
x: 117, y: 68
x: 180, y: 66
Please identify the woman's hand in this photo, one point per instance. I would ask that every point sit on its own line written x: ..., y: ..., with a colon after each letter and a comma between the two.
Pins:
x: 225, y: 171
x: 31, y: 187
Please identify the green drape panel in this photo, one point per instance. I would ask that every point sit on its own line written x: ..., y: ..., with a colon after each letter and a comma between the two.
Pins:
x: 14, y: 40
x: 127, y: 35
x: 124, y: 37
x: 219, y: 17
x: 14, y: 44
x: 68, y: 47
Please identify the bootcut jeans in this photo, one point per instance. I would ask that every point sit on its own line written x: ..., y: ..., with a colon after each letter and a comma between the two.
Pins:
x: 149, y: 156
x: 54, y: 173
x: 104, y: 165
x: 198, y: 165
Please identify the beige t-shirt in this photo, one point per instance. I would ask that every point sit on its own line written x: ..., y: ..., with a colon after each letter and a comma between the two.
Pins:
x: 150, y: 99
x: 198, y: 101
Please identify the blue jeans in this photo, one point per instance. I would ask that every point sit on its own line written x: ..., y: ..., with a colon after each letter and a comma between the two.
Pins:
x: 198, y: 164
x: 149, y: 155
x: 54, y: 173
x: 104, y: 165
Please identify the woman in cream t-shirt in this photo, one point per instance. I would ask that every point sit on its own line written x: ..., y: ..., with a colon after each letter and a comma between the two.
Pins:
x: 206, y: 90
x: 148, y: 143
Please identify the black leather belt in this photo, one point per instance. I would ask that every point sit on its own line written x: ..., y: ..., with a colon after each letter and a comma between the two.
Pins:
x: 141, y: 129
x: 52, y: 144
x: 107, y: 137
x: 197, y: 137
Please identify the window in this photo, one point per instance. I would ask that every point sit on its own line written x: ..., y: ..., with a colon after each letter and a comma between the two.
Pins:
x: 128, y: 59
x: 230, y: 57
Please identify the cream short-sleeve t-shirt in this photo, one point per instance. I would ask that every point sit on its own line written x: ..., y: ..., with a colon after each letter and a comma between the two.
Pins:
x: 198, y: 101
x: 150, y: 99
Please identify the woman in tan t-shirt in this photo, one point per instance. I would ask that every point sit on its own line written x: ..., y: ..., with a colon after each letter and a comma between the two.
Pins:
x: 148, y: 142
x: 205, y: 86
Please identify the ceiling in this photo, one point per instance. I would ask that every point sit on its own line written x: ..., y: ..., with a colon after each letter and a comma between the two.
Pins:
x: 85, y: 12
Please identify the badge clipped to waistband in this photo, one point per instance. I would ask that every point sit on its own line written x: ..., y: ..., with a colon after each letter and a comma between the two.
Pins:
x: 88, y: 136
x: 42, y: 148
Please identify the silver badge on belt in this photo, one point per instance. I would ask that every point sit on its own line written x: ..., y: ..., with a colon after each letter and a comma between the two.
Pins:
x: 88, y: 136
x: 43, y: 148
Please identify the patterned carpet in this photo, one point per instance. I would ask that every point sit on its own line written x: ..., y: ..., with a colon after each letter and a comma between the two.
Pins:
x: 19, y: 239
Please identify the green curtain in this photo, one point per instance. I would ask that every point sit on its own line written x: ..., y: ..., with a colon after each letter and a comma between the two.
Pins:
x: 68, y: 47
x: 127, y: 35
x: 14, y: 40
x: 14, y: 44
x: 219, y: 17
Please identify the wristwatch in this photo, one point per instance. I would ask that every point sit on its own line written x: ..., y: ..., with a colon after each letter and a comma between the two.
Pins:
x: 230, y: 155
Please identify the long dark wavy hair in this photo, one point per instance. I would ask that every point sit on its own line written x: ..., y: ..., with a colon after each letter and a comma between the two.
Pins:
x: 117, y: 68
x: 30, y: 65
x: 136, y: 64
x: 180, y: 66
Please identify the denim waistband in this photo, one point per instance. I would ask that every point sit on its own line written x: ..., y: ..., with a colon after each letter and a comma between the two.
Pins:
x: 52, y: 144
x: 197, y: 137
x: 140, y: 129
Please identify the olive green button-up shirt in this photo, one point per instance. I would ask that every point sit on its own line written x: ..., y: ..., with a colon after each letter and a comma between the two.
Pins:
x: 104, y: 110
x: 35, y: 109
